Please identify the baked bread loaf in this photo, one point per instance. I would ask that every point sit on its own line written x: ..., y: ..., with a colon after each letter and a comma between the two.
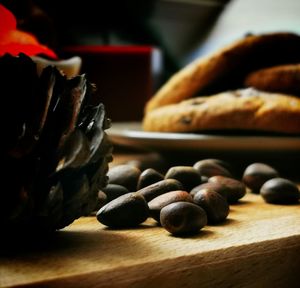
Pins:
x: 227, y: 68
x: 282, y: 79
x: 244, y: 109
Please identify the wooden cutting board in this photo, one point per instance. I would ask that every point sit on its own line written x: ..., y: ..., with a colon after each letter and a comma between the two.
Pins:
x: 258, y: 246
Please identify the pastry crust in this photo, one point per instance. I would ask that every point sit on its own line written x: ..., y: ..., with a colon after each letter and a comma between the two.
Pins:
x: 226, y: 68
x: 244, y: 109
x: 282, y: 79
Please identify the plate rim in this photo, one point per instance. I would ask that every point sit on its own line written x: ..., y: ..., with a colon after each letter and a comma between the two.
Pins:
x: 130, y: 134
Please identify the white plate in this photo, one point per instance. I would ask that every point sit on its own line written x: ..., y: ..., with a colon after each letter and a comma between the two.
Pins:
x: 131, y: 135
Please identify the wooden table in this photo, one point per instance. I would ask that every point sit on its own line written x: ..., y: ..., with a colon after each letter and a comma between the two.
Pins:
x: 258, y: 246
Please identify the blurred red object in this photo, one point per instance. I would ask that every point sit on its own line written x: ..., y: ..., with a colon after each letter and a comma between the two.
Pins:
x: 14, y: 41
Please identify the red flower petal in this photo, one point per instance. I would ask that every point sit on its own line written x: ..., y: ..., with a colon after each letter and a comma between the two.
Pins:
x: 8, y: 20
x: 17, y: 36
x: 14, y: 41
x: 28, y: 49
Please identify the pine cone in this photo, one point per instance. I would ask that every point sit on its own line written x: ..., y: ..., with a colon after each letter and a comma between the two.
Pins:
x: 54, y: 147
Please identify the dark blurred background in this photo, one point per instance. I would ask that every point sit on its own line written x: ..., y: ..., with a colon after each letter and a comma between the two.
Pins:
x: 181, y: 29
x: 173, y: 26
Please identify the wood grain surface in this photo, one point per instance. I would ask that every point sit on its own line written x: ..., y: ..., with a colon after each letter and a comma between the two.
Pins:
x: 258, y: 246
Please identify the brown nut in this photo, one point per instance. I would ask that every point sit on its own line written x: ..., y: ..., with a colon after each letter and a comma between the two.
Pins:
x: 211, y: 167
x: 101, y: 200
x: 148, y: 177
x: 128, y: 210
x: 188, y: 176
x: 235, y: 188
x: 217, y: 187
x: 156, y: 204
x: 125, y: 175
x: 114, y: 191
x: 256, y: 174
x: 280, y: 191
x: 159, y: 188
x: 181, y: 218
x: 215, y: 205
